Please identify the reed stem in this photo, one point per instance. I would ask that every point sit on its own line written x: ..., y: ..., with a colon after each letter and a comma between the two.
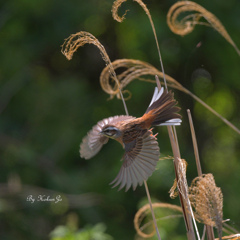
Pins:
x: 209, y: 229
x: 153, y: 215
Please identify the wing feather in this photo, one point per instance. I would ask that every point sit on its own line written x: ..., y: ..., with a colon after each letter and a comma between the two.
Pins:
x: 139, y: 162
x: 118, y: 179
x: 93, y: 142
x: 135, y: 177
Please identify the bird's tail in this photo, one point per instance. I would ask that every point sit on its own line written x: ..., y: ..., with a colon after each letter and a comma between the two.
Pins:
x: 162, y: 110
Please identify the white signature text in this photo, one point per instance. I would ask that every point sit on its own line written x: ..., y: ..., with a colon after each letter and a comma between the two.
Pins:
x: 44, y: 198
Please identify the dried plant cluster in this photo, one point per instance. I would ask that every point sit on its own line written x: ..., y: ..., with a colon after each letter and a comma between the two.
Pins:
x: 207, y: 201
x: 203, y: 200
x: 72, y: 43
x: 188, y: 23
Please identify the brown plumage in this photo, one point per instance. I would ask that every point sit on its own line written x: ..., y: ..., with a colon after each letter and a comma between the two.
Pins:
x: 141, y: 148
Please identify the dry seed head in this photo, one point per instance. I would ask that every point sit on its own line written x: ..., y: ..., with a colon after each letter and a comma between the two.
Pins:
x: 132, y: 69
x: 72, y: 43
x: 117, y: 4
x: 187, y: 24
x: 115, y: 8
x: 207, y: 201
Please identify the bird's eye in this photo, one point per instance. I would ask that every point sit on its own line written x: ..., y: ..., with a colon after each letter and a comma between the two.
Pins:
x: 110, y: 131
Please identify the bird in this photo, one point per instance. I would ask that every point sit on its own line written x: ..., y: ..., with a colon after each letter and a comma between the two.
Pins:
x: 141, y: 150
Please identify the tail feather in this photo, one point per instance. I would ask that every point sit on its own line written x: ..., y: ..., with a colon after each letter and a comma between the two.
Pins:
x: 163, y: 109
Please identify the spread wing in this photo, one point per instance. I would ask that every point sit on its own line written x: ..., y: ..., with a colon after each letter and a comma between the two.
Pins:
x: 93, y: 142
x: 140, y: 159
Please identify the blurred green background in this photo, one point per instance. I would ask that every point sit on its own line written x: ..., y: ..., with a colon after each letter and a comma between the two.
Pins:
x: 48, y: 104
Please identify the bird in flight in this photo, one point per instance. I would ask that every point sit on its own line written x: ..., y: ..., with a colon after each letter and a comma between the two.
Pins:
x: 135, y: 135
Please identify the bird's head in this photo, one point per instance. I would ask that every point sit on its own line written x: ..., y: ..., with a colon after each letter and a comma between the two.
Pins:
x: 111, y: 132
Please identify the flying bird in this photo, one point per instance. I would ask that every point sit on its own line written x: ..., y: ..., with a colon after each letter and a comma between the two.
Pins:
x: 135, y: 135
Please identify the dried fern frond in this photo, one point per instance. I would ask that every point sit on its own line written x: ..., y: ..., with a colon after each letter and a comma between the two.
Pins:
x: 145, y: 210
x: 74, y: 41
x: 115, y: 15
x: 187, y: 24
x: 117, y: 4
x: 132, y: 69
x: 207, y: 201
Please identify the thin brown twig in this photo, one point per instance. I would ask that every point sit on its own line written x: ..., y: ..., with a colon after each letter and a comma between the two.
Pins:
x: 153, y: 215
x: 195, y: 147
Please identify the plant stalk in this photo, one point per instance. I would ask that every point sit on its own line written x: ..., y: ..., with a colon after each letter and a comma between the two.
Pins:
x: 150, y: 204
x: 186, y: 215
x: 209, y: 229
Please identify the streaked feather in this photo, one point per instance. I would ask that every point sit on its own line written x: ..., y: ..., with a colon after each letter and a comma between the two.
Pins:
x: 93, y: 142
x: 139, y: 163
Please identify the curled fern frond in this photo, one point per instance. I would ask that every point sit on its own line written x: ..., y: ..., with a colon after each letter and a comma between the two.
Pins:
x: 188, y: 23
x: 143, y: 212
x: 116, y: 5
x: 132, y: 69
x: 74, y: 41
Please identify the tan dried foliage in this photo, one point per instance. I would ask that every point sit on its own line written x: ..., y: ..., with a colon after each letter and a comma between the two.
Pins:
x: 173, y: 190
x: 181, y: 183
x: 117, y: 4
x: 166, y: 158
x: 74, y: 41
x: 207, y: 201
x: 131, y: 70
x: 232, y: 237
x: 115, y: 15
x: 182, y: 174
x: 144, y: 211
x: 188, y: 23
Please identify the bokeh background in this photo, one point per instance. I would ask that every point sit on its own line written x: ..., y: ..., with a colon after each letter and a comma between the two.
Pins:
x: 48, y: 104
